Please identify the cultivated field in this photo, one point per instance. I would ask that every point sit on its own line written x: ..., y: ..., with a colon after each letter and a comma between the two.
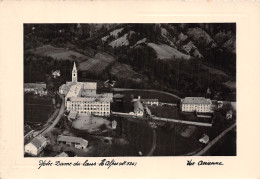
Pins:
x: 166, y: 52
x: 59, y: 53
x: 97, y: 64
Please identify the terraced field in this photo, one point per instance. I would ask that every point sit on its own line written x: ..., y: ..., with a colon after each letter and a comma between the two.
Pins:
x: 97, y: 64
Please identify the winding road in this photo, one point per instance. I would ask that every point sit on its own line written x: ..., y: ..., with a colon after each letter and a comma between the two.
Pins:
x: 57, y: 119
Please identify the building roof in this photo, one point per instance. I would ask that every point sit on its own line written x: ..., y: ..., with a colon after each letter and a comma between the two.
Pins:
x: 72, y: 139
x: 62, y: 154
x: 205, y: 138
x: 90, y: 99
x: 74, y: 67
x: 149, y: 100
x: 72, y: 114
x: 89, y: 85
x: 138, y: 105
x: 35, y: 85
x: 38, y: 141
x: 75, y: 90
x: 118, y: 96
x: 196, y: 100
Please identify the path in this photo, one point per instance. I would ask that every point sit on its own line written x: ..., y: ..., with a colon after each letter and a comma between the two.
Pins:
x: 61, y: 112
x: 129, y: 89
x: 150, y: 153
x: 183, y: 122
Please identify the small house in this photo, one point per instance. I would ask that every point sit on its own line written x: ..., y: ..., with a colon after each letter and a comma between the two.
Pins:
x: 76, y: 142
x: 36, y: 145
x: 204, y: 139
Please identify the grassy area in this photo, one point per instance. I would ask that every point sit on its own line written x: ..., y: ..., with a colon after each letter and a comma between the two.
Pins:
x: 37, y: 109
x: 59, y: 53
x: 165, y: 111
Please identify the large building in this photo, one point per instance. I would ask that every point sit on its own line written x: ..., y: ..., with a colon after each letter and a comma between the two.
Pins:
x: 198, y: 104
x: 82, y: 97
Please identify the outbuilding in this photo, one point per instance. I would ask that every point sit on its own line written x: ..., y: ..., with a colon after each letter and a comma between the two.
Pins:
x: 36, y: 145
x: 76, y: 142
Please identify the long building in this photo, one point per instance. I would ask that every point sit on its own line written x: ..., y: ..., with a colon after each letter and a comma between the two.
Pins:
x: 198, y: 104
x: 82, y: 97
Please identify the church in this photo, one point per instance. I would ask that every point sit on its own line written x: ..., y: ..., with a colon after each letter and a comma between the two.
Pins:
x: 82, y: 97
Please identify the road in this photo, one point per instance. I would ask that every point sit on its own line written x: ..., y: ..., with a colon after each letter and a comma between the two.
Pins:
x: 182, y: 121
x: 129, y: 89
x: 57, y: 119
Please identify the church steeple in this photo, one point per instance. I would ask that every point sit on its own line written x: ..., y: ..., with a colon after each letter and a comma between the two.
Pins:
x: 74, y: 74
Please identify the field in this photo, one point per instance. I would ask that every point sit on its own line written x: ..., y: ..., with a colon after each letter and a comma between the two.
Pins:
x: 165, y: 112
x: 231, y: 85
x: 59, y: 53
x: 125, y: 71
x: 37, y: 109
x: 214, y: 71
x: 97, y: 64
x: 166, y: 52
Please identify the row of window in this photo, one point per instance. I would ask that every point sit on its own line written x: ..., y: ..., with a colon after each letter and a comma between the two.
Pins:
x: 198, y: 105
x: 92, y: 109
x: 89, y: 105
x: 88, y: 102
x: 96, y: 113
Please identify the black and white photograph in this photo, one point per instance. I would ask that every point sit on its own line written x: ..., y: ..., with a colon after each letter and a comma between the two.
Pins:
x: 129, y: 89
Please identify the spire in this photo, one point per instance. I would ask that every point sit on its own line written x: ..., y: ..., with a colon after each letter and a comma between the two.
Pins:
x: 74, y: 67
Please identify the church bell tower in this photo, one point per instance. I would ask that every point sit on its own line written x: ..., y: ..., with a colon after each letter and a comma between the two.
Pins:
x: 74, y: 74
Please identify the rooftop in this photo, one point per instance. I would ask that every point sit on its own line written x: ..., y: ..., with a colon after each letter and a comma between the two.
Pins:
x: 74, y: 90
x: 90, y: 99
x: 138, y: 105
x: 149, y: 100
x: 35, y: 85
x: 72, y: 114
x: 89, y: 85
x: 38, y: 141
x: 72, y: 139
x: 196, y: 100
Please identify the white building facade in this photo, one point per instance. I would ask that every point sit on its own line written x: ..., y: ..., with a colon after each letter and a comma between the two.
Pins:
x: 36, y: 145
x: 198, y: 104
x: 82, y: 98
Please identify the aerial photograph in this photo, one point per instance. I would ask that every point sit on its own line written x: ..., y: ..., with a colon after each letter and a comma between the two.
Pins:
x: 129, y: 89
